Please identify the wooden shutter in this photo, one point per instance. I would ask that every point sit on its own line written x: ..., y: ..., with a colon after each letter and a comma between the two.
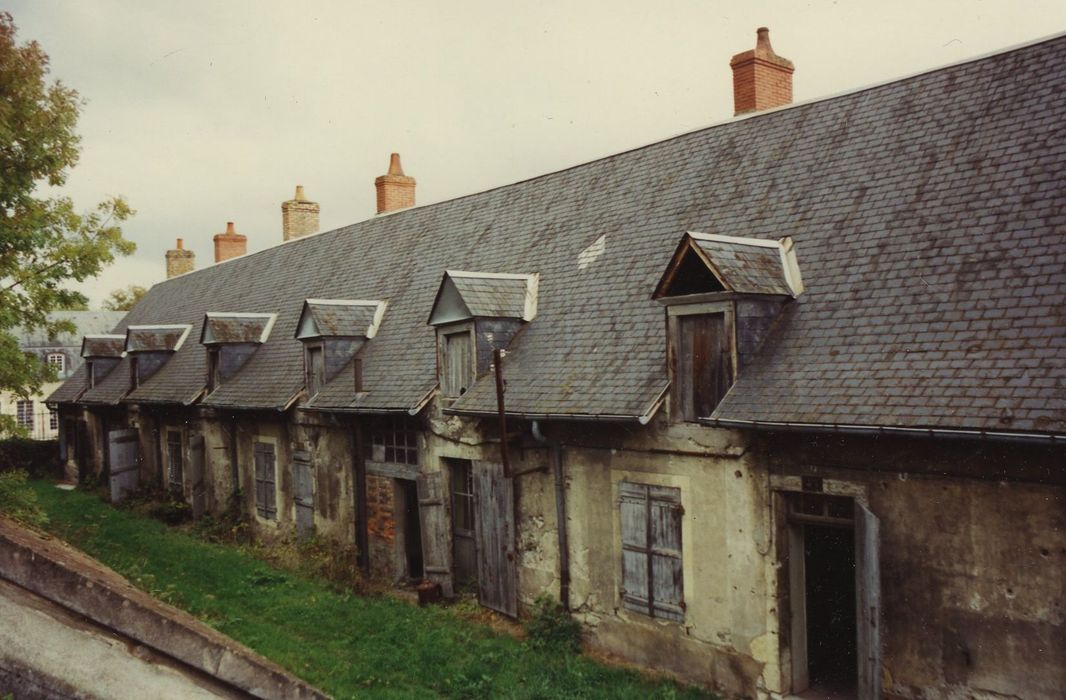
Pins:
x: 457, y: 363
x: 704, y: 367
x: 494, y: 534
x: 123, y: 455
x: 652, y: 575
x: 265, y: 499
x: 436, y: 540
x: 868, y: 602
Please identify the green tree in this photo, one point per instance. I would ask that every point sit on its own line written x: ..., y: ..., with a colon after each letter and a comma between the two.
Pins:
x: 124, y: 299
x: 44, y: 243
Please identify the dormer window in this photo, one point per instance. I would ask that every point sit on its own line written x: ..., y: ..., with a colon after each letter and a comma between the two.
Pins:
x: 150, y: 347
x: 722, y: 293
x: 333, y: 332
x: 230, y: 340
x: 475, y: 313
x: 102, y: 354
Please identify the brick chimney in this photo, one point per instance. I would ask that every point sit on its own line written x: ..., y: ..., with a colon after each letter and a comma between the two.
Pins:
x: 395, y: 190
x: 299, y: 217
x: 230, y: 244
x: 761, y: 78
x: 179, y: 260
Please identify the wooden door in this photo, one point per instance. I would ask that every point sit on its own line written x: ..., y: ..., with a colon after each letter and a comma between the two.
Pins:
x: 704, y: 369
x: 868, y: 601
x: 303, y: 498
x: 494, y: 535
x: 436, y: 544
x: 196, y: 476
x: 123, y: 462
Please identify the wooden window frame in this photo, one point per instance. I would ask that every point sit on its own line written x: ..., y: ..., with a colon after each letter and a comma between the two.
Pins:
x: 673, y: 313
x: 135, y: 380
x: 172, y: 484
x: 396, y: 434
x: 443, y: 333
x: 313, y: 386
x: 214, y: 367
x: 460, y: 477
x: 91, y: 374
x: 268, y: 509
x: 645, y: 496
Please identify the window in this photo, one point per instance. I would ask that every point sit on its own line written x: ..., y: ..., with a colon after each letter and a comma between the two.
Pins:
x: 24, y: 414
x: 135, y: 380
x: 457, y: 363
x: 463, y: 497
x: 652, y: 581
x: 315, y: 368
x: 703, y: 363
x: 265, y: 492
x: 214, y: 374
x: 58, y: 362
x: 53, y: 420
x: 175, y: 465
x: 89, y: 372
x: 394, y: 440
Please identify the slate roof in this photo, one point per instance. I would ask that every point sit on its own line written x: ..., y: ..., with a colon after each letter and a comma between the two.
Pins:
x: 236, y: 328
x: 103, y: 345
x: 745, y: 269
x: 87, y: 323
x: 491, y: 296
x: 928, y: 216
x: 342, y: 318
x: 156, y: 338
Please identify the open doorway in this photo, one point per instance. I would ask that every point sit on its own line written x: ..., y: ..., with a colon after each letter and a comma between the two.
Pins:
x: 411, y: 528
x: 834, y: 594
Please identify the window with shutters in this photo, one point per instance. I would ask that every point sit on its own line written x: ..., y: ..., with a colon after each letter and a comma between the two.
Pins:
x: 457, y: 362
x: 24, y: 413
x: 652, y: 580
x: 702, y: 365
x: 175, y: 461
x: 265, y: 481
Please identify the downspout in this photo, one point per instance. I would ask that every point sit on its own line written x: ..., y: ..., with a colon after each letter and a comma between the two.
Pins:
x: 556, y: 452
x: 234, y: 467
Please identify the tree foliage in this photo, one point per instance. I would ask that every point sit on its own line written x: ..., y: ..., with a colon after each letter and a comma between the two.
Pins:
x: 124, y: 299
x: 44, y: 243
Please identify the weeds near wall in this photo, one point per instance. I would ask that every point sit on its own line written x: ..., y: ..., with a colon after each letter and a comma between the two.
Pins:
x: 550, y: 627
x: 18, y: 501
x: 318, y: 558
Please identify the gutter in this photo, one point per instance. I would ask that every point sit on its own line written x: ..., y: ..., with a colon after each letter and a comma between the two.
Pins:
x: 845, y: 429
x: 604, y: 417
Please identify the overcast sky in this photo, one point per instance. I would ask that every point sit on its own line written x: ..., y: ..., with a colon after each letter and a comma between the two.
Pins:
x: 205, y: 112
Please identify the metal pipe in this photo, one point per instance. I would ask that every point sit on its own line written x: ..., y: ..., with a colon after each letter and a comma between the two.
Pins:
x: 556, y: 451
x: 497, y: 364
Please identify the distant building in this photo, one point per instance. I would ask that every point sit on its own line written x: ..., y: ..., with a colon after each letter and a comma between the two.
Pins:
x: 64, y: 354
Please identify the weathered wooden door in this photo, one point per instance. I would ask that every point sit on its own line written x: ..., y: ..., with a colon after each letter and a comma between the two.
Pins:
x: 196, y: 475
x: 494, y: 534
x: 123, y: 462
x: 436, y: 543
x: 868, y: 601
x: 303, y: 497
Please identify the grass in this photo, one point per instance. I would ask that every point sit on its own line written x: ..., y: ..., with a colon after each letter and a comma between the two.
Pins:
x: 347, y: 645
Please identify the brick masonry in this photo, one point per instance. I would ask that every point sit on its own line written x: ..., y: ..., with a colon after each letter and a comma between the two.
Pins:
x: 180, y: 261
x: 230, y: 244
x: 299, y: 217
x: 395, y: 190
x: 380, y: 507
x: 761, y: 78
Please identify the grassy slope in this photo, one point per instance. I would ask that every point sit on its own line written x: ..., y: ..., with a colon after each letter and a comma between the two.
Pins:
x: 347, y: 645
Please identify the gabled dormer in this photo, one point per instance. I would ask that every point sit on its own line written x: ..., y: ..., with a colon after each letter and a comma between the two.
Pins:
x: 101, y: 353
x: 476, y: 313
x: 721, y: 293
x: 333, y: 331
x: 230, y: 339
x: 150, y: 347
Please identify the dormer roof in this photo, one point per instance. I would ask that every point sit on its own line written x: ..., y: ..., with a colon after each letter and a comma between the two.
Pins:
x: 156, y: 338
x: 340, y: 318
x: 706, y: 262
x: 94, y: 346
x: 220, y: 328
x: 464, y: 295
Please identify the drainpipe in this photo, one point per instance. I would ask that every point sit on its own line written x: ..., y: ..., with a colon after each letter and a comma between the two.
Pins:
x: 556, y: 453
x: 234, y: 467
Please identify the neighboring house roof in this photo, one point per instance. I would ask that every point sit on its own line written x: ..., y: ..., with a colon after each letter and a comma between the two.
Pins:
x: 927, y: 216
x: 86, y: 322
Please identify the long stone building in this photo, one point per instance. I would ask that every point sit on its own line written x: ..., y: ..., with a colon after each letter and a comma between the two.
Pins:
x: 776, y: 405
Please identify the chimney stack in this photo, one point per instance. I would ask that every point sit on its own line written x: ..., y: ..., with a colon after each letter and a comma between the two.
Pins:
x: 761, y: 78
x: 395, y: 190
x: 179, y: 260
x: 230, y: 244
x: 299, y: 217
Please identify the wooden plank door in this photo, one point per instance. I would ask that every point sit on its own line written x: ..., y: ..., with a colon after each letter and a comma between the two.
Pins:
x: 196, y: 476
x: 123, y: 462
x: 436, y: 540
x: 494, y: 534
x: 868, y: 601
x: 303, y: 498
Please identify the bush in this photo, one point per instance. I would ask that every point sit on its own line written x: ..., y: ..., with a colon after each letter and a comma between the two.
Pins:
x: 18, y: 501
x: 230, y: 527
x: 551, y: 627
x: 38, y: 458
x: 320, y: 558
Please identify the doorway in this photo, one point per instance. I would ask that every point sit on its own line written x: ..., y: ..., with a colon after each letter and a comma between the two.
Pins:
x: 412, y: 528
x: 834, y: 596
